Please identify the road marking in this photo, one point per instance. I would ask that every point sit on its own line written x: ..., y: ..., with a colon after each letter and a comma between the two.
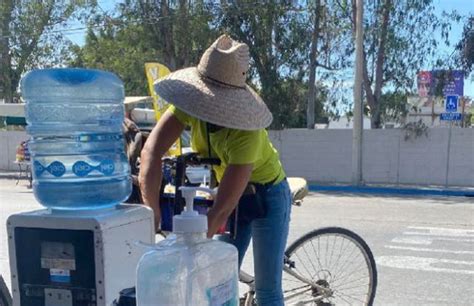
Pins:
x: 427, y: 250
x: 413, y: 240
x: 439, y: 231
x: 425, y: 264
x: 427, y: 240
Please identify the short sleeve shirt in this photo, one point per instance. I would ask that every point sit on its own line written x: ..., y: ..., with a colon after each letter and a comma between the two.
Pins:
x: 235, y: 147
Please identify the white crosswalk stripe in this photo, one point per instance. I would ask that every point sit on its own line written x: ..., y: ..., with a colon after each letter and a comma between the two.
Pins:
x: 423, y: 241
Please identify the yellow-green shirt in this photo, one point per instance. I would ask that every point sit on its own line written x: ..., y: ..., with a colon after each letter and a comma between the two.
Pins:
x: 235, y: 147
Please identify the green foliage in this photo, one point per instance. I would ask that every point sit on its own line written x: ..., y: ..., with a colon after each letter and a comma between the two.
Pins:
x: 394, y: 106
x: 465, y: 48
x: 279, y: 36
x: 172, y: 34
x: 32, y: 37
x: 399, y: 40
x: 122, y: 51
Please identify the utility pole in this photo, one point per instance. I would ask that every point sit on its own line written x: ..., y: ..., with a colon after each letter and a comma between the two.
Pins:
x: 357, y: 131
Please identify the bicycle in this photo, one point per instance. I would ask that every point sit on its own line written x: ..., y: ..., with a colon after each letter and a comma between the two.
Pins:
x: 326, y: 266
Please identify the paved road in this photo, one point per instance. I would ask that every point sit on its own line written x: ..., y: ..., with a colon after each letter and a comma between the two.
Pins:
x: 424, y: 246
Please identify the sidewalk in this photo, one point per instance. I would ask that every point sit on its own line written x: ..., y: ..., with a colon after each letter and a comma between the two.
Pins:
x: 401, y: 189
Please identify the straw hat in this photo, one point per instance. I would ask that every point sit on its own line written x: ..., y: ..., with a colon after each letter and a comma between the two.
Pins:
x: 215, y: 91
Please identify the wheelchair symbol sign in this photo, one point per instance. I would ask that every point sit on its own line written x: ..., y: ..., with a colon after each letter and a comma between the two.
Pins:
x: 451, y: 104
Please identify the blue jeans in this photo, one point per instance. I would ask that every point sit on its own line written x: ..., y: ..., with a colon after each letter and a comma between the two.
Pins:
x: 269, y: 241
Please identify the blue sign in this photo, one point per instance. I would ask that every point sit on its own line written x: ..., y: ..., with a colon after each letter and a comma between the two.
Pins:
x: 451, y: 103
x: 450, y: 116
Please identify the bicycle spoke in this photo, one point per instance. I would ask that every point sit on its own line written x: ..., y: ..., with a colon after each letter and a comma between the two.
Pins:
x: 304, y: 266
x: 327, y: 244
x: 346, y: 262
x: 317, y: 255
x: 298, y: 288
x: 344, y: 274
x: 309, y: 259
x: 363, y: 268
x: 353, y: 287
x: 340, y: 253
x: 332, y: 251
x: 340, y: 294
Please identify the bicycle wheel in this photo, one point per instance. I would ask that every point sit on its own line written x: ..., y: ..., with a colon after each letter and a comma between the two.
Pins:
x: 334, y: 258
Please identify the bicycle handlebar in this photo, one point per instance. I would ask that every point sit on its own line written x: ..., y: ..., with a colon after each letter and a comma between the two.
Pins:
x: 192, y: 159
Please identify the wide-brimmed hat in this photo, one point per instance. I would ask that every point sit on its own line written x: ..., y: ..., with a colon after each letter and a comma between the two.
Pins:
x: 215, y: 91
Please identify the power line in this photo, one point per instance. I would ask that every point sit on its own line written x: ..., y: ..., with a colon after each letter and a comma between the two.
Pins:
x: 246, y: 8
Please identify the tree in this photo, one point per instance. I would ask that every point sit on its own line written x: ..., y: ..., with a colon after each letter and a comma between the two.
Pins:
x: 280, y: 39
x: 174, y: 34
x: 121, y: 50
x: 465, y: 48
x: 31, y: 36
x: 399, y: 40
x: 179, y: 30
x: 312, y: 66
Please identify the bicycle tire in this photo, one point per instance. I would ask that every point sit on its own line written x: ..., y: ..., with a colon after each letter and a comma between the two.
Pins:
x: 328, y: 275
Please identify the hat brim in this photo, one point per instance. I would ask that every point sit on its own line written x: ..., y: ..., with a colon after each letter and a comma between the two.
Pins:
x: 227, y: 106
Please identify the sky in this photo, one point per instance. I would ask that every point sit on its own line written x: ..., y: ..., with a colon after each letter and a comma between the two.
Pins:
x: 463, y: 7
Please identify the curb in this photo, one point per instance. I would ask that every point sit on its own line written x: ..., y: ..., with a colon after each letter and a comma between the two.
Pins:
x: 393, y: 190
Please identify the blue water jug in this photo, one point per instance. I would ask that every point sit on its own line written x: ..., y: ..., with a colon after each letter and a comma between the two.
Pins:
x: 77, y: 149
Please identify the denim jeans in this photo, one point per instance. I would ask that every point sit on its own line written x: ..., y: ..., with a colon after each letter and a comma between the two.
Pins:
x: 269, y: 237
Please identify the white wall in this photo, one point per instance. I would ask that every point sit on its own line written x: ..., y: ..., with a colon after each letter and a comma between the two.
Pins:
x: 324, y: 156
x: 9, y: 140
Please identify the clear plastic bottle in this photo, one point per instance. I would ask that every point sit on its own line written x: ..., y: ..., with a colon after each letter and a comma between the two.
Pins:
x: 188, y: 269
x: 75, y: 120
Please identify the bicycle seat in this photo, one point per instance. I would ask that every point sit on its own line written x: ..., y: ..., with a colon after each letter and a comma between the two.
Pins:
x: 298, y: 188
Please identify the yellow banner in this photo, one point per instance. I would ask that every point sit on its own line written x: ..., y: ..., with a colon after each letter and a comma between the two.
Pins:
x: 155, y: 71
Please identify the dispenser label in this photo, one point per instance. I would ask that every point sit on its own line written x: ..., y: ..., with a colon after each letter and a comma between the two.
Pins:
x: 81, y: 168
x: 60, y: 275
x: 56, y: 168
x: 57, y: 256
x: 223, y: 295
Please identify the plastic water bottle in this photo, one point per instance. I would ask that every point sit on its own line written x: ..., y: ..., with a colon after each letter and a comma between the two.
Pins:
x: 75, y: 120
x: 188, y: 269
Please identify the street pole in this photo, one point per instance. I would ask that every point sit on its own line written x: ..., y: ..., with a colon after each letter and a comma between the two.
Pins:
x: 357, y: 131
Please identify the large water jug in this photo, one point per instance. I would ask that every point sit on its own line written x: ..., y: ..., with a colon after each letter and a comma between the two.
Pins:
x: 75, y: 121
x: 188, y: 269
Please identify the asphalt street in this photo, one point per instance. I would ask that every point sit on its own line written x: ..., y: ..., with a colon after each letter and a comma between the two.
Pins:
x: 423, y: 246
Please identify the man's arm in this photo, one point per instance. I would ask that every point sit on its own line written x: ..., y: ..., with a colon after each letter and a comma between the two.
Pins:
x: 165, y: 133
x: 234, y: 181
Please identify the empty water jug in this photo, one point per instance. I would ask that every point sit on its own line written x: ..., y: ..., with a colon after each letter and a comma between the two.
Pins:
x: 75, y: 120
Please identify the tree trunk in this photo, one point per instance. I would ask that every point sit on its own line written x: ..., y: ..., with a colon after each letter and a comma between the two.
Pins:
x: 167, y: 36
x: 312, y: 68
x: 376, y: 113
x: 6, y: 88
x: 374, y: 95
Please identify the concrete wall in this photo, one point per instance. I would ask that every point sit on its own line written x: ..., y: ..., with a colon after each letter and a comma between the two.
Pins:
x: 9, y: 140
x: 325, y: 156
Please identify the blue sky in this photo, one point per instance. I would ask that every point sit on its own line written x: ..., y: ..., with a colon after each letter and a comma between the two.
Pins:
x: 463, y: 7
